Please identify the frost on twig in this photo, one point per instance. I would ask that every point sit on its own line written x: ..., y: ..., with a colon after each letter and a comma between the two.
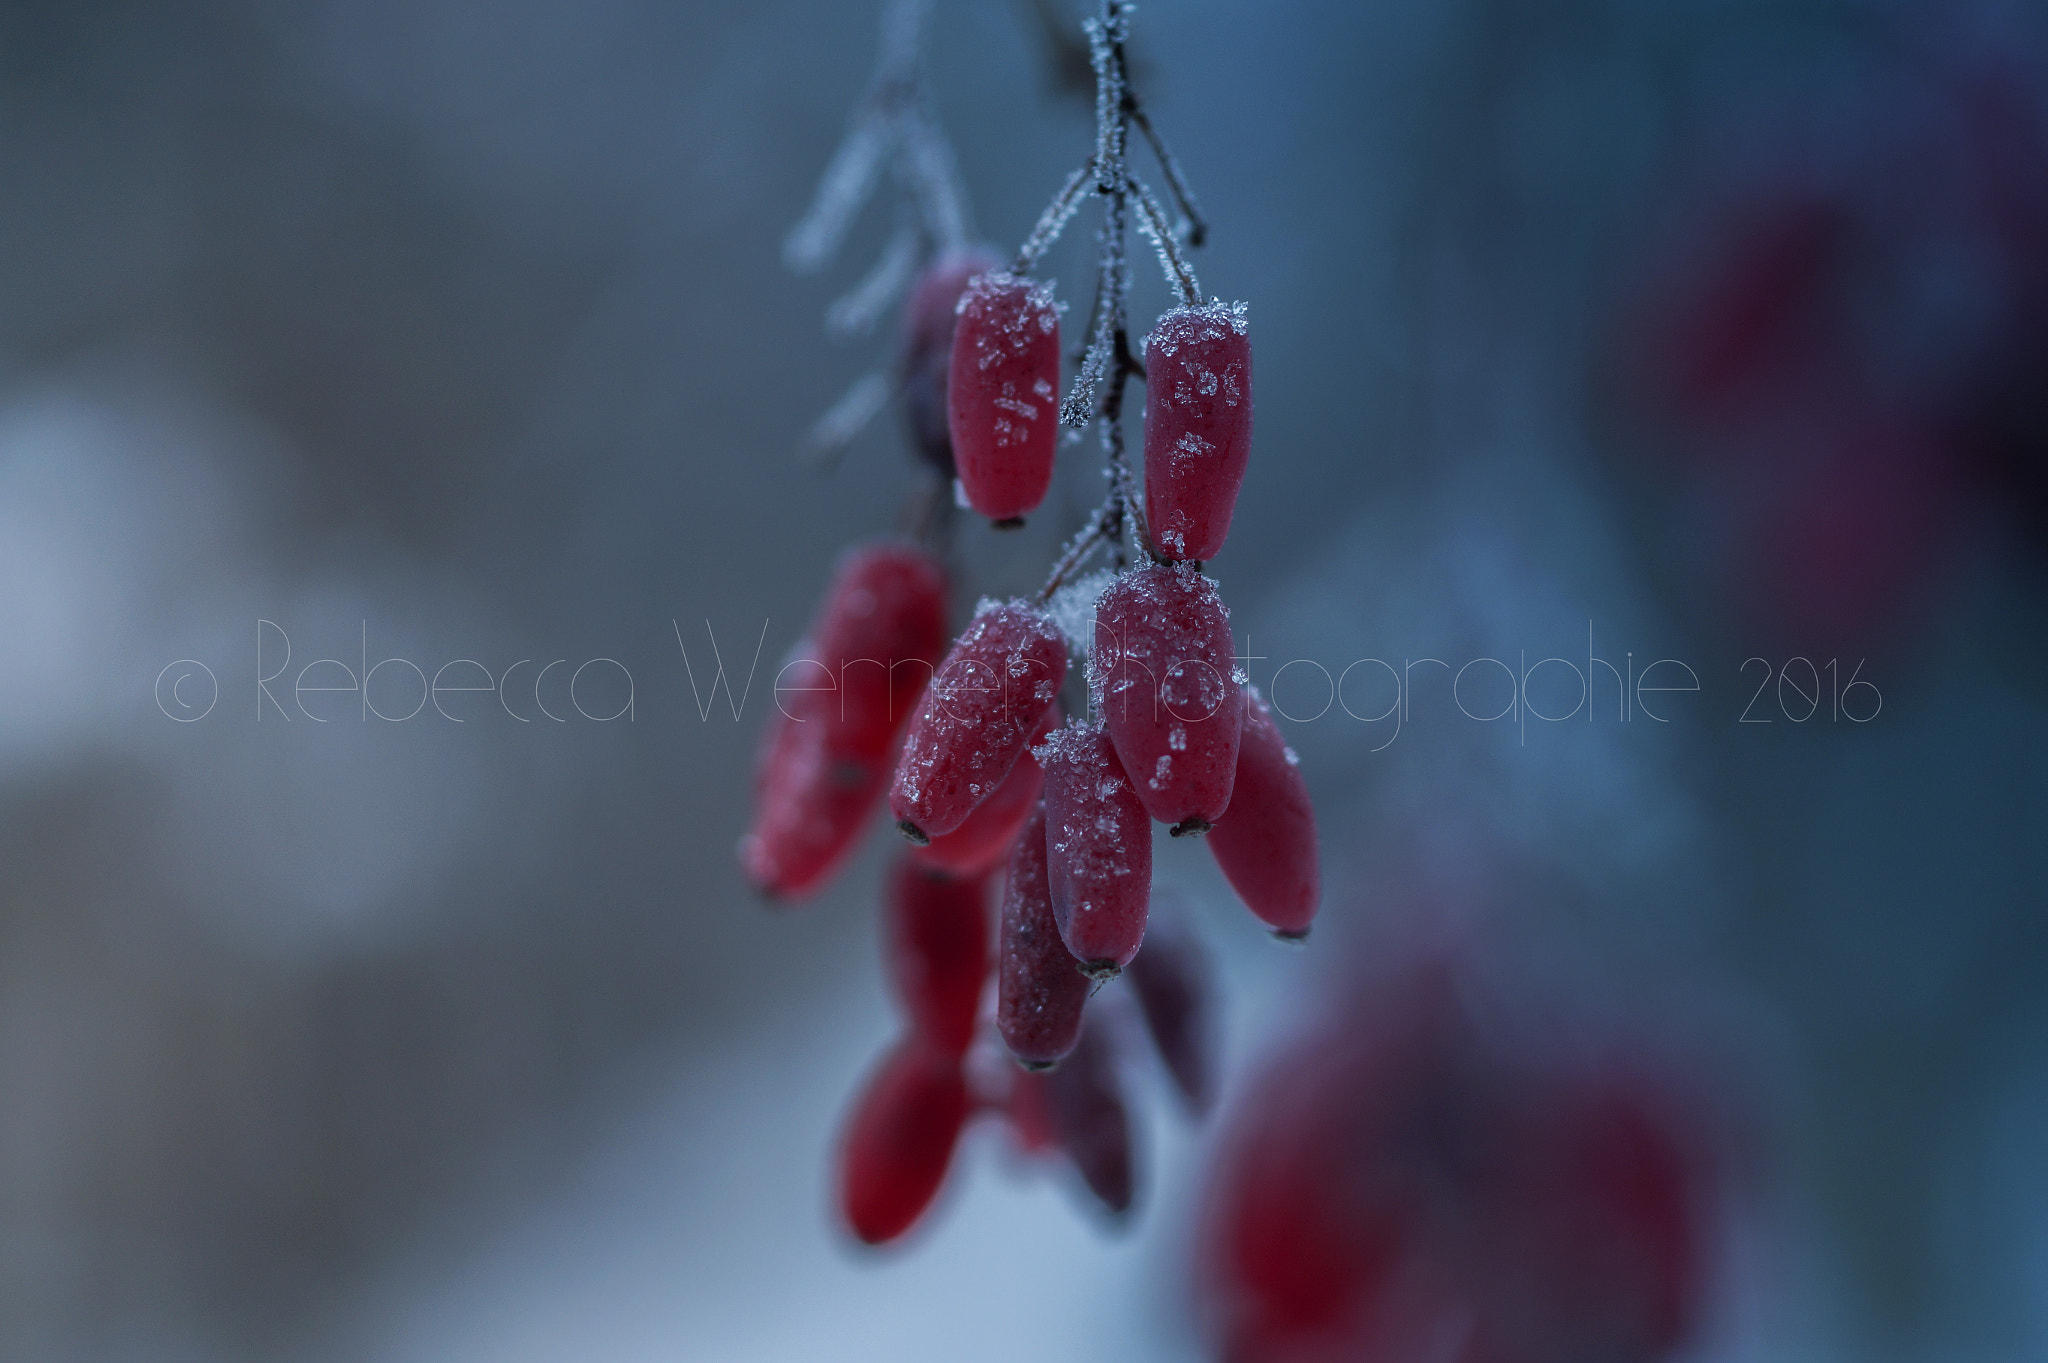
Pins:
x: 893, y: 128
x: 847, y: 418
x: 856, y: 313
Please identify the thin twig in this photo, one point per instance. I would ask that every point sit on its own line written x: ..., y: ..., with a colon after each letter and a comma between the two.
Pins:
x: 1180, y: 276
x: 1054, y: 220
x: 1176, y: 183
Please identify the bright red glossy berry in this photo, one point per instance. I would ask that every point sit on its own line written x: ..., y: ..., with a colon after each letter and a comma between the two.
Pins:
x: 1198, y: 426
x: 1040, y: 990
x: 898, y: 1140
x: 1266, y: 841
x: 841, y: 707
x: 1002, y: 394
x: 977, y: 717
x: 928, y: 318
x: 936, y: 944
x: 982, y: 842
x: 1162, y: 673
x: 1171, y: 978
x: 1098, y: 849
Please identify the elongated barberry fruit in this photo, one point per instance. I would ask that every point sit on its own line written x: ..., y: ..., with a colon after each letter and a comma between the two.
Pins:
x: 1090, y: 1119
x: 1002, y: 394
x: 977, y: 717
x: 1040, y: 990
x: 1098, y: 849
x: 1162, y: 672
x: 1171, y: 978
x: 1266, y: 841
x: 928, y: 319
x: 898, y: 1140
x: 1198, y: 426
x: 983, y: 840
x: 936, y: 942
x: 841, y: 705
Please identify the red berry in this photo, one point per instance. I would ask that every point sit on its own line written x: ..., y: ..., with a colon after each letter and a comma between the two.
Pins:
x: 977, y: 717
x: 899, y: 1139
x: 826, y: 753
x: 1198, y: 426
x: 1028, y: 1107
x: 1090, y: 1120
x: 928, y: 319
x: 1098, y: 849
x: 1266, y: 841
x: 982, y: 842
x: 1040, y: 990
x: 1002, y: 394
x: 937, y: 951
x: 1171, y: 978
x: 1162, y: 671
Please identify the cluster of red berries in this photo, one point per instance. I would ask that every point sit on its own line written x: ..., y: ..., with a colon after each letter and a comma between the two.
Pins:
x: 1408, y: 1181
x: 986, y: 773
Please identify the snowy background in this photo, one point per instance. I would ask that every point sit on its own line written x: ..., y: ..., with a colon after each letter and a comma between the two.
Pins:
x: 450, y: 332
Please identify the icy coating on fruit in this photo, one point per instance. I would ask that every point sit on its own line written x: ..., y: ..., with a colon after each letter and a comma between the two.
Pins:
x: 1163, y: 677
x: 1002, y: 393
x: 1198, y: 426
x: 978, y: 715
x: 983, y: 839
x: 928, y: 317
x: 1098, y: 845
x: 1040, y: 990
x: 1265, y: 843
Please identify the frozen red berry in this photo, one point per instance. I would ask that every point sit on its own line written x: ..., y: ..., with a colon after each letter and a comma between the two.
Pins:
x: 841, y: 706
x: 898, y: 1140
x: 1040, y: 990
x: 1198, y: 426
x: 936, y: 945
x: 1162, y: 672
x: 1266, y: 841
x: 1002, y: 394
x: 928, y: 319
x: 982, y: 842
x: 1171, y: 978
x: 1098, y: 849
x: 977, y: 717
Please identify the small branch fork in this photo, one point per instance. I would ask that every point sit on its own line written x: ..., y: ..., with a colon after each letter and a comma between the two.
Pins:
x: 1108, y: 364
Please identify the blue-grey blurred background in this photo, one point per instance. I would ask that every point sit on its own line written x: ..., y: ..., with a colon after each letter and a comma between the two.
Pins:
x: 440, y: 331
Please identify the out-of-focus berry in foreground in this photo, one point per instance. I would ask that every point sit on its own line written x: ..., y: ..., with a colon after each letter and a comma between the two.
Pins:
x: 1403, y: 1183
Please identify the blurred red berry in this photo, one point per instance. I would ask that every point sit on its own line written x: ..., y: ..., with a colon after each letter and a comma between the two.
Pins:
x: 825, y: 755
x: 899, y: 1139
x: 936, y: 945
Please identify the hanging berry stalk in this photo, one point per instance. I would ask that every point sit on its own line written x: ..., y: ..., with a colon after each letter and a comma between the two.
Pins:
x: 986, y: 773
